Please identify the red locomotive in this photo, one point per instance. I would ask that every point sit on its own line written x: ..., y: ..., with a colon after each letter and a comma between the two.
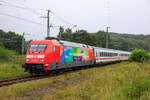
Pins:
x: 45, y: 56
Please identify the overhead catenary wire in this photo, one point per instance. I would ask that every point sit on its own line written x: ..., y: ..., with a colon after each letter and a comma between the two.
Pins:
x: 35, y: 12
x: 23, y: 19
x: 32, y: 10
x: 5, y: 2
x: 69, y: 24
x: 23, y: 7
x: 62, y: 19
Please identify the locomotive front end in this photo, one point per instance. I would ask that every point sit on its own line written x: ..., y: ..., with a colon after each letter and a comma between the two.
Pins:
x: 35, y: 57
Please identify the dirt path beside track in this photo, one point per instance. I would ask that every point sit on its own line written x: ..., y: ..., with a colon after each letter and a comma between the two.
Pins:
x: 39, y: 92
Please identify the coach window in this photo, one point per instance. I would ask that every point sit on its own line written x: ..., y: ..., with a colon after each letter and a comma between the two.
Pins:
x: 54, y: 49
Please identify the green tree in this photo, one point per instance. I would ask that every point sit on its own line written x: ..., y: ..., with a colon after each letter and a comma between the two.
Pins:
x: 139, y: 55
x: 11, y: 41
x: 67, y: 35
x: 101, y: 39
x: 61, y: 31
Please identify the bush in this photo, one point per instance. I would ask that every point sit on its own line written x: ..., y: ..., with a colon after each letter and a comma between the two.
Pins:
x: 5, y: 54
x: 139, y: 55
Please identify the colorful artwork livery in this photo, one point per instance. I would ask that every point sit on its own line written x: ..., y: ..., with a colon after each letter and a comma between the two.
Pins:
x: 71, y: 54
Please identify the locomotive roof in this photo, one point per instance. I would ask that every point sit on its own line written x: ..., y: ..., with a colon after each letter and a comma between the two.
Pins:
x: 73, y: 44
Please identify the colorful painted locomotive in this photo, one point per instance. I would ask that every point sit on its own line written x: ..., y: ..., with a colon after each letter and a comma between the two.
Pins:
x: 48, y: 55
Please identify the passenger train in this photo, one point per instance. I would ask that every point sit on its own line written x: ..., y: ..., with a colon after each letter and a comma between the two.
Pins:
x: 48, y: 55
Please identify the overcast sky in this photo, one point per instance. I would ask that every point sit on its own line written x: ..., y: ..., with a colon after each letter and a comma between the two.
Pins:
x: 123, y: 16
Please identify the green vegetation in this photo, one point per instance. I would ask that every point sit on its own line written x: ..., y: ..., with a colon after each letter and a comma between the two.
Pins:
x: 5, y: 54
x: 10, y: 64
x: 123, y: 81
x: 139, y: 55
x: 10, y: 60
x: 11, y: 41
x: 10, y: 70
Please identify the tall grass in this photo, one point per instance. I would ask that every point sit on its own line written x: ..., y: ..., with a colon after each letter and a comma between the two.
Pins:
x: 10, y: 64
x: 5, y: 54
x: 116, y: 82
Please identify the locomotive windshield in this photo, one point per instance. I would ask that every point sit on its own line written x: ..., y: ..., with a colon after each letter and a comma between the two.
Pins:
x: 37, y: 47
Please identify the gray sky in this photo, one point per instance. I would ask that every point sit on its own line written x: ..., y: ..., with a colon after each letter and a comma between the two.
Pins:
x: 124, y: 16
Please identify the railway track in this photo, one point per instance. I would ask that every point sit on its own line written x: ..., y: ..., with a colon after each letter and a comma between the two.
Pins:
x: 30, y: 78
x: 20, y: 80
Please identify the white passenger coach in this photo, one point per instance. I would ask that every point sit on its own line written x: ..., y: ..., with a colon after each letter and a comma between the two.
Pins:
x: 104, y: 55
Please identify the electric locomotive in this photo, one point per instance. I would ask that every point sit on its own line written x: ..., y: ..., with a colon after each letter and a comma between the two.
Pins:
x: 47, y: 55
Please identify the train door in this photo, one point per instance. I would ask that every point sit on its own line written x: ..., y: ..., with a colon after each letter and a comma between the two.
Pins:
x: 56, y: 54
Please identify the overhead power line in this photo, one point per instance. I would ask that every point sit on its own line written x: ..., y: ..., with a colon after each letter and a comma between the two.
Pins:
x: 5, y: 2
x: 33, y: 10
x: 62, y: 19
x: 19, y: 18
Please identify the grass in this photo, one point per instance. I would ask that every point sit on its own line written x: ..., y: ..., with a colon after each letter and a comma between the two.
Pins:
x: 12, y: 68
x: 123, y: 81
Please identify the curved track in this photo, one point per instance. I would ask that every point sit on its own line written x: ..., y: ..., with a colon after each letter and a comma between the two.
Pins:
x: 19, y: 80
x: 30, y: 78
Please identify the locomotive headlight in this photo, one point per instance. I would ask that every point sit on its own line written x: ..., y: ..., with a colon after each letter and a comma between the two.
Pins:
x: 27, y: 60
x: 40, y: 56
x: 29, y: 56
x: 41, y: 60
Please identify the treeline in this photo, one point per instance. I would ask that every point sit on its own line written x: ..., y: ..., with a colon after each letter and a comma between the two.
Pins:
x: 11, y: 41
x: 128, y: 42
x: 116, y: 41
